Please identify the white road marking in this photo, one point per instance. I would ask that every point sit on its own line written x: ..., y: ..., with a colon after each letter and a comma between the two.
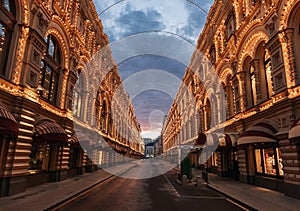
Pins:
x: 203, y: 197
x: 172, y: 187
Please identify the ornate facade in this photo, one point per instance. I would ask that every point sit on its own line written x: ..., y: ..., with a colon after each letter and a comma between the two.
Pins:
x: 255, y: 55
x: 44, y: 49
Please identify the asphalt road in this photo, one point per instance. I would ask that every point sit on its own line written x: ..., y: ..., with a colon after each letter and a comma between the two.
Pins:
x: 157, y: 193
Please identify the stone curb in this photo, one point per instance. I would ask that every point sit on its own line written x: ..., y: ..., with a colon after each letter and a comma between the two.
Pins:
x: 230, y: 197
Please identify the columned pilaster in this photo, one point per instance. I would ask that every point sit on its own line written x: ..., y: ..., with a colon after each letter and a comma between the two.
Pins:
x: 291, y: 71
x: 242, y: 90
x: 18, y: 158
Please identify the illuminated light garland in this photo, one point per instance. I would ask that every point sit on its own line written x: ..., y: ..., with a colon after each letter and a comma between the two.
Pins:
x: 26, y: 12
x: 224, y: 74
x: 253, y: 41
x: 285, y: 12
x: 294, y: 93
x: 285, y: 54
x: 20, y: 55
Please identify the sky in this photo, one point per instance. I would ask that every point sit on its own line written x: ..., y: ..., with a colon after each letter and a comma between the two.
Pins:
x: 152, y: 42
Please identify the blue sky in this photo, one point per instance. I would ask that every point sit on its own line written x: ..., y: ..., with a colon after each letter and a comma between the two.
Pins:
x: 152, y: 42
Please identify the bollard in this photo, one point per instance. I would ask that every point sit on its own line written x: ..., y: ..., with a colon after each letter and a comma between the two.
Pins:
x: 199, y: 180
x: 205, y: 176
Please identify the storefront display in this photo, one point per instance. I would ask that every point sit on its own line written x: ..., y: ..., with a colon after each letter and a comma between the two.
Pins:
x: 214, y: 158
x: 269, y: 162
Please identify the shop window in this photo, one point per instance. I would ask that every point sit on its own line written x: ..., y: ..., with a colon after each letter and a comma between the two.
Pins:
x: 214, y: 158
x: 280, y: 164
x: 259, y: 168
x: 269, y: 162
x: 39, y: 158
x: 268, y: 70
x: 7, y: 23
x: 253, y: 84
x: 51, y: 66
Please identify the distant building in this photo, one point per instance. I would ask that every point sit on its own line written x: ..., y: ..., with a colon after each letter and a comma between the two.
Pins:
x: 149, y: 151
x: 147, y: 140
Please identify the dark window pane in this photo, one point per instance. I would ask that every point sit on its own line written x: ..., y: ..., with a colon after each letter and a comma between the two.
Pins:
x: 54, y: 84
x: 5, y: 37
x: 51, y: 69
x: 47, y: 81
x: 57, y: 56
x: 6, y: 5
x: 2, y: 40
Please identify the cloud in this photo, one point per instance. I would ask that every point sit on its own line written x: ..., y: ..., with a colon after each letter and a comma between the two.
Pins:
x: 135, y: 16
x: 196, y: 22
x: 146, y: 56
x: 137, y: 21
x: 150, y: 107
x: 144, y: 62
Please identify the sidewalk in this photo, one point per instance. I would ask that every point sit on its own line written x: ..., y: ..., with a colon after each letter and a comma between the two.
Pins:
x: 46, y: 195
x: 256, y: 197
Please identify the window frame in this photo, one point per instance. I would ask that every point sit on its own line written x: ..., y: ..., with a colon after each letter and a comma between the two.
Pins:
x: 8, y: 21
x: 269, y: 84
x: 263, y: 162
x: 53, y: 62
x: 253, y: 79
x: 77, y: 100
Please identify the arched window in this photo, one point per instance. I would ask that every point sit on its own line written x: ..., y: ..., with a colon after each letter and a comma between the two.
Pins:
x: 51, y: 66
x: 236, y: 93
x: 253, y: 84
x: 228, y: 91
x: 7, y: 23
x: 78, y: 97
x: 208, y: 116
x: 268, y: 70
x: 294, y: 38
x: 103, y: 116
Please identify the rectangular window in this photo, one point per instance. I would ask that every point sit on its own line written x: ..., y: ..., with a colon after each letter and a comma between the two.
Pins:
x: 214, y: 158
x: 39, y: 158
x: 259, y: 167
x: 47, y: 81
x: 280, y: 165
x: 268, y: 162
x: 236, y: 98
x: 5, y: 37
x: 253, y: 86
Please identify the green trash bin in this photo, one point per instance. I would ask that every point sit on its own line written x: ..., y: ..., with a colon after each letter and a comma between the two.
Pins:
x: 186, y: 168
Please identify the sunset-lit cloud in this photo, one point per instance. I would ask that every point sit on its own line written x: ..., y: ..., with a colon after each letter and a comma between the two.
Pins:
x: 152, y: 35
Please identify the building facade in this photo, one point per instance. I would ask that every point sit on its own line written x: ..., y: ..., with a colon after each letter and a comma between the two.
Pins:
x: 45, y: 47
x: 252, y: 47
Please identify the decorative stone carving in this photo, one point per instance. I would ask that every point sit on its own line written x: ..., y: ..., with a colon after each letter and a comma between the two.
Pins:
x: 42, y: 22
